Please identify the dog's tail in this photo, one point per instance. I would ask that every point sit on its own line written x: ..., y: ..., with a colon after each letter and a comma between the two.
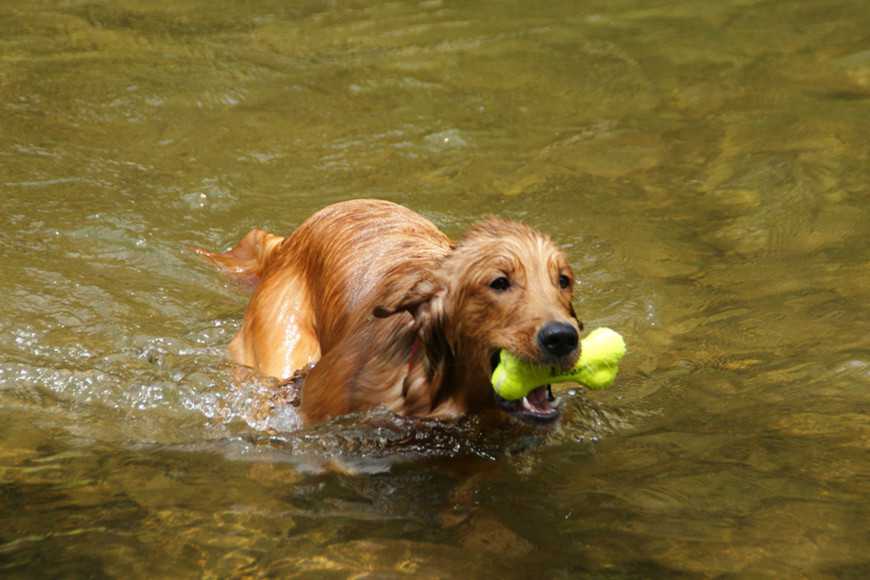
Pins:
x: 245, y: 262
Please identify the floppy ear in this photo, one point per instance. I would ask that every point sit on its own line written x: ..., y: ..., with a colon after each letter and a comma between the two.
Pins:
x: 413, y: 301
x: 426, y: 302
x: 420, y: 293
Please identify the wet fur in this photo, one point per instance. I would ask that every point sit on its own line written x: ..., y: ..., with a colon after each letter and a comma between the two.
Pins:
x: 391, y: 311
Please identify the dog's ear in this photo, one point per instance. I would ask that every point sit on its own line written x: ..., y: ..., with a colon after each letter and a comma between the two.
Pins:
x: 415, y: 301
x: 426, y: 301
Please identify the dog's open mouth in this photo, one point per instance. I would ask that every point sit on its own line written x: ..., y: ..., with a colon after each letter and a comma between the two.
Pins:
x: 538, y: 405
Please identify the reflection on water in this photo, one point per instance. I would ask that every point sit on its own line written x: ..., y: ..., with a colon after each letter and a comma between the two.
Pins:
x: 705, y: 167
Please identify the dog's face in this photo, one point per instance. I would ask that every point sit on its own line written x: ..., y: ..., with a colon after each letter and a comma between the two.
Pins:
x: 509, y: 287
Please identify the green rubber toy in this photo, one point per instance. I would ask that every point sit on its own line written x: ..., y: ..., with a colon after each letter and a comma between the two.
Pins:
x: 600, y: 353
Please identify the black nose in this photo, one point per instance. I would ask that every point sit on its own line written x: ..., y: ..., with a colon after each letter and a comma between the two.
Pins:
x: 557, y: 338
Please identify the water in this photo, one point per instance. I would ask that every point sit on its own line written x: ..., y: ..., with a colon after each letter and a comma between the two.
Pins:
x: 705, y: 167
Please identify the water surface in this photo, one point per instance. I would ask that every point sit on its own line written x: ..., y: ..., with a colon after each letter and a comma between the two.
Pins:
x: 706, y: 166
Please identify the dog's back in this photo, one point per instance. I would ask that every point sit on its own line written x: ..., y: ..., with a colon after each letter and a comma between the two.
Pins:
x: 321, y: 283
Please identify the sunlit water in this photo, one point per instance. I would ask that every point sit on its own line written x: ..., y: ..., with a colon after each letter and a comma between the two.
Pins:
x: 705, y: 165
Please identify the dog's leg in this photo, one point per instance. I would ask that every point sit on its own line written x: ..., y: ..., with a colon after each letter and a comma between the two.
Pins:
x: 277, y: 336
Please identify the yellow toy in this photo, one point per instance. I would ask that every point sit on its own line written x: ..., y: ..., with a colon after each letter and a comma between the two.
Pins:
x: 600, y: 353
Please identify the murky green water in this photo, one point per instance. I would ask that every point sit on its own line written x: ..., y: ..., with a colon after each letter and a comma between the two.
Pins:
x: 707, y: 166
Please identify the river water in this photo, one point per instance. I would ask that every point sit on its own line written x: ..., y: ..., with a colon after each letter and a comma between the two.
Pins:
x: 705, y: 165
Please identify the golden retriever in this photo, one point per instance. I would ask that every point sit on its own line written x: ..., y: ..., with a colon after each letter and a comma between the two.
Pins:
x: 395, y: 314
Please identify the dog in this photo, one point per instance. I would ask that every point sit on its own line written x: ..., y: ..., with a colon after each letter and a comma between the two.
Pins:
x: 386, y: 311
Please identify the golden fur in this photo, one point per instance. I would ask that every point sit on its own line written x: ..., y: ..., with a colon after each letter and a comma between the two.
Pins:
x: 391, y: 311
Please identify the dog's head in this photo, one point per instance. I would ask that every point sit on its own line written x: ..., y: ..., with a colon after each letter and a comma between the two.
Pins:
x: 504, y: 286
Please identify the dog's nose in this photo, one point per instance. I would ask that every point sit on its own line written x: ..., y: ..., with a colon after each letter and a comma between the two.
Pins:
x: 558, y: 338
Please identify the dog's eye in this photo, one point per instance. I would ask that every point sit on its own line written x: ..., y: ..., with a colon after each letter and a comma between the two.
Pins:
x: 564, y: 281
x: 500, y: 284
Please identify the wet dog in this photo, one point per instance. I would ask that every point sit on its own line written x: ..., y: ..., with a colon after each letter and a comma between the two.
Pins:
x: 391, y: 313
